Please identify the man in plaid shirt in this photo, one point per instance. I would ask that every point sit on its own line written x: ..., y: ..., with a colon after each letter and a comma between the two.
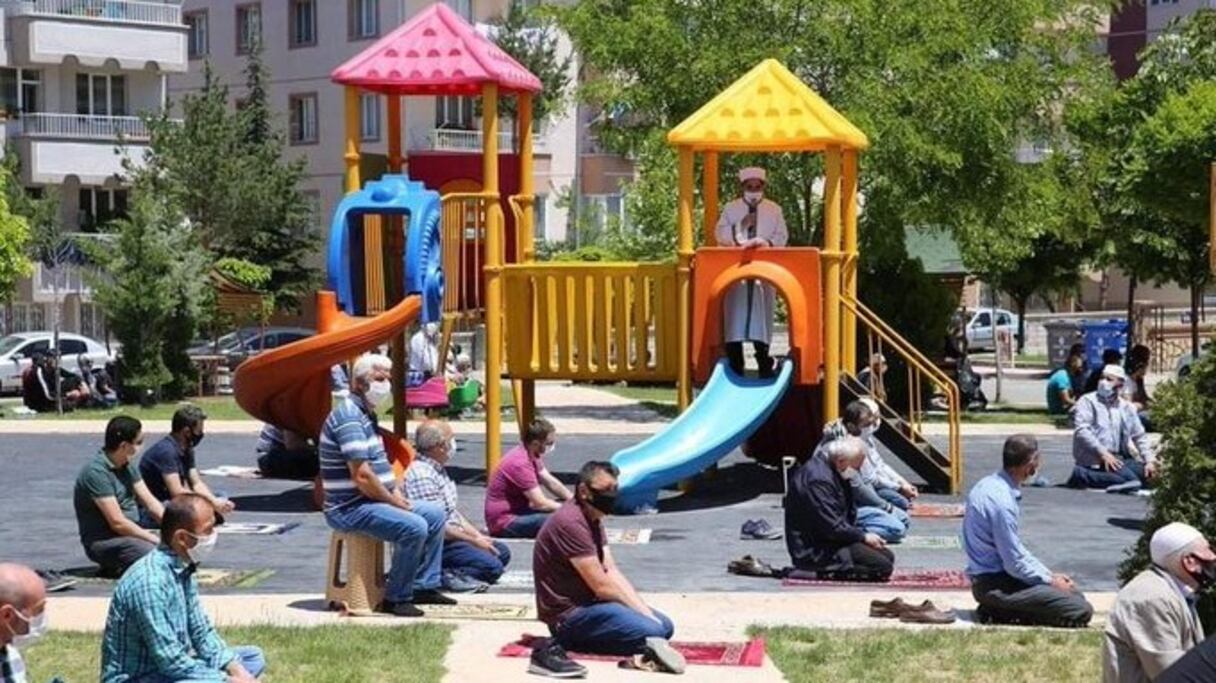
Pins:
x: 156, y: 631
x: 471, y: 560
x: 22, y: 617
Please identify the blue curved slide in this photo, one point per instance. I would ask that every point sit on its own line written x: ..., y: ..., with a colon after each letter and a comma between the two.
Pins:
x: 726, y: 412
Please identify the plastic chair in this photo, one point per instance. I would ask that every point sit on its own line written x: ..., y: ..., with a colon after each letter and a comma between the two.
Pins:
x: 363, y: 587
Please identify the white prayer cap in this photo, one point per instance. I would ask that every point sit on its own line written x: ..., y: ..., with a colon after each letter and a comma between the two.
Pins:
x: 1169, y: 539
x: 752, y: 173
x: 1115, y: 371
x: 871, y: 404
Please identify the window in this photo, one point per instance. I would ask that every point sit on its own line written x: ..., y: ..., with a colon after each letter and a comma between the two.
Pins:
x: 369, y: 117
x: 982, y: 320
x: 38, y: 347
x: 101, y: 95
x: 72, y: 347
x: 462, y: 7
x: 454, y: 112
x: 600, y: 208
x: 302, y: 18
x: 363, y: 19
x: 98, y: 206
x: 303, y: 114
x: 1002, y: 320
x: 539, y: 213
x: 196, y: 34
x: 92, y: 321
x: 37, y: 318
x: 248, y: 27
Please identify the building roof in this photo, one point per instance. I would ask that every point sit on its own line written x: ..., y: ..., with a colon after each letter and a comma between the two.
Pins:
x: 767, y: 110
x: 436, y: 52
x: 936, y: 249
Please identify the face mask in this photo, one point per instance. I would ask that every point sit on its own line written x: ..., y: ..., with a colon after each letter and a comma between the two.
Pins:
x: 1206, y: 576
x: 753, y: 197
x: 37, y: 628
x: 204, y: 547
x: 1106, y: 389
x: 452, y: 445
x: 195, y: 439
x: 604, y: 502
x: 849, y: 474
x: 378, y: 392
x: 549, y: 450
x: 869, y: 430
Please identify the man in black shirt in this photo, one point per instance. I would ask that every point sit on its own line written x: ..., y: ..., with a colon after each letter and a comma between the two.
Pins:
x: 168, y: 467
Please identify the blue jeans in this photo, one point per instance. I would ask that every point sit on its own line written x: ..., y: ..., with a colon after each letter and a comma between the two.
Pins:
x: 890, y: 526
x: 610, y: 628
x: 475, y: 563
x: 525, y: 526
x: 1099, y: 478
x: 250, y: 657
x: 417, y: 538
x: 893, y: 497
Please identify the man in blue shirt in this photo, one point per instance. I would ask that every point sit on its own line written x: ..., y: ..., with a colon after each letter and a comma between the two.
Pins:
x: 362, y: 495
x: 169, y: 469
x: 156, y: 631
x: 1009, y: 583
x: 1061, y: 386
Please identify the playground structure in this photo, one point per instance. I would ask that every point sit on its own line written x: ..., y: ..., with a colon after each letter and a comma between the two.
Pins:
x: 393, y: 242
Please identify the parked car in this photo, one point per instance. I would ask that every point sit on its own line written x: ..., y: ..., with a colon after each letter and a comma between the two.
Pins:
x: 1183, y: 367
x: 979, y: 328
x: 242, y: 343
x: 18, y: 350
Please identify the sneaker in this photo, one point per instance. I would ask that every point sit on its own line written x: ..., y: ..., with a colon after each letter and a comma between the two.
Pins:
x: 767, y: 530
x: 399, y: 609
x: 1126, y: 487
x: 758, y: 530
x: 455, y: 582
x: 551, y: 660
x: 56, y: 581
x: 432, y: 597
x: 659, y: 651
x: 1039, y: 482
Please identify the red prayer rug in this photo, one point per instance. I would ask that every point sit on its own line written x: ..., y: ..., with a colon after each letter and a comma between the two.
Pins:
x: 925, y: 579
x: 936, y: 510
x: 750, y: 653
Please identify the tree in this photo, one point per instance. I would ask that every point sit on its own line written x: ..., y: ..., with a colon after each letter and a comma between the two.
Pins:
x: 14, y: 245
x: 530, y: 37
x: 153, y: 292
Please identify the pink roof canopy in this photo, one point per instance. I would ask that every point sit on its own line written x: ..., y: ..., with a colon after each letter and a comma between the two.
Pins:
x: 436, y: 52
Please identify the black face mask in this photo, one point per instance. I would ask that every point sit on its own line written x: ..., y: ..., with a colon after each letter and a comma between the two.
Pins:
x: 1206, y: 576
x: 195, y: 439
x: 602, y: 501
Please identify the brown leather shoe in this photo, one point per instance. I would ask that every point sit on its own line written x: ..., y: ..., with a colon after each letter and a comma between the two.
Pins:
x: 929, y: 616
x: 894, y: 609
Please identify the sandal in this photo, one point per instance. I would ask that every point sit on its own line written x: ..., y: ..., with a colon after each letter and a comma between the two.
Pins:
x: 750, y: 566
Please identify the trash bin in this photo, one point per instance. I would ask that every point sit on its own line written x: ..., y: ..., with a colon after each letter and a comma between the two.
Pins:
x: 1101, y: 335
x: 1061, y: 335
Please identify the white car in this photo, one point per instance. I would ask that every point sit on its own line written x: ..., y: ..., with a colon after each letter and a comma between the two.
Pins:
x: 1183, y: 367
x: 17, y: 351
x: 979, y: 328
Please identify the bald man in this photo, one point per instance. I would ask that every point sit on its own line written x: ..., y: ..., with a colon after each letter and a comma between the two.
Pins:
x: 22, y: 617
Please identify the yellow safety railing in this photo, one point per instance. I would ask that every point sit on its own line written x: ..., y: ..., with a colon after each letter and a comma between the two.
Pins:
x: 922, y: 374
x: 591, y: 321
x: 464, y: 237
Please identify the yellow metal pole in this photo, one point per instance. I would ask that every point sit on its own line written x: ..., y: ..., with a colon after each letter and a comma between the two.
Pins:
x: 526, y: 410
x: 397, y: 250
x: 709, y: 197
x: 352, y: 140
x: 493, y: 273
x: 831, y: 289
x: 848, y: 207
x: 684, y: 254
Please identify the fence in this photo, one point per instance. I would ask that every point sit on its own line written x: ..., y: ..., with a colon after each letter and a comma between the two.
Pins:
x: 84, y: 126
x: 163, y: 13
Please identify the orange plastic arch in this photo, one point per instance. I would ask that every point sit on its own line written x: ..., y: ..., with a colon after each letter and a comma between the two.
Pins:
x: 794, y: 272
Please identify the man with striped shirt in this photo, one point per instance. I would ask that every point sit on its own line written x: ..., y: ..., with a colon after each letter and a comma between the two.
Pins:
x: 362, y: 495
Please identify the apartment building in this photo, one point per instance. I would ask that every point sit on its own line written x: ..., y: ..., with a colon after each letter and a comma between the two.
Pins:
x: 74, y: 76
x: 304, y: 40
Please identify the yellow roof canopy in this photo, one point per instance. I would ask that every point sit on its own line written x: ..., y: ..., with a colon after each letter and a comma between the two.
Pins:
x: 767, y: 110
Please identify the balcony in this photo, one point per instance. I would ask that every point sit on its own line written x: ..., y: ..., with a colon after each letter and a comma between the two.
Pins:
x: 137, y: 35
x: 56, y: 147
x: 470, y: 141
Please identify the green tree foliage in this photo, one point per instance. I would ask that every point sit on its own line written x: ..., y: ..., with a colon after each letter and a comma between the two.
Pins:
x: 14, y: 242
x: 1186, y: 490
x: 155, y: 287
x: 530, y: 36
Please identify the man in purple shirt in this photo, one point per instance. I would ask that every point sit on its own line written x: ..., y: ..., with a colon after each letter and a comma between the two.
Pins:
x: 516, y: 500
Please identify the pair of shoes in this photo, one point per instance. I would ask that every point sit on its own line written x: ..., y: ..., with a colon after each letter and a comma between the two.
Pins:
x: 56, y: 581
x: 456, y: 582
x: 549, y: 659
x: 432, y: 597
x: 750, y: 566
x: 924, y: 613
x: 759, y: 530
x: 399, y: 609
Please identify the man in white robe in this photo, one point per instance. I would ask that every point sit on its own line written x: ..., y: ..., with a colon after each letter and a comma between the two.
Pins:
x: 750, y: 221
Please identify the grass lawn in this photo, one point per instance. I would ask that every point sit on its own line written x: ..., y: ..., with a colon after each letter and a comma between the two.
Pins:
x: 216, y: 408
x: 899, y: 655
x: 642, y: 394
x: 335, y: 654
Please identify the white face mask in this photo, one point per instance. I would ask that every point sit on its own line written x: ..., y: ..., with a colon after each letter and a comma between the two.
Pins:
x: 1106, y: 388
x: 869, y: 430
x: 849, y: 474
x: 378, y: 392
x: 452, y: 445
x: 753, y: 197
x: 37, y: 629
x: 204, y: 547
x: 549, y: 450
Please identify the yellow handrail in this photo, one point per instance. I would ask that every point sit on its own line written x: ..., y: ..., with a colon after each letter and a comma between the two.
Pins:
x: 919, y: 366
x: 464, y: 224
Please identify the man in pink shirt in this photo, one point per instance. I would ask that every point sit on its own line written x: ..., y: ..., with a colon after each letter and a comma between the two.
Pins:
x: 516, y: 500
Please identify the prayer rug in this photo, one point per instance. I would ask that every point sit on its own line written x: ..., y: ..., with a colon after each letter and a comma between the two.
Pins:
x: 255, y: 529
x: 614, y: 537
x: 470, y: 611
x: 515, y: 579
x: 926, y: 542
x: 750, y: 653
x: 926, y: 579
x: 936, y: 510
x: 235, y: 471
x: 208, y: 577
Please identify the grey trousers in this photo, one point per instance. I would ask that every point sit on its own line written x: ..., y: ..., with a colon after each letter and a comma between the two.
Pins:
x: 1006, y: 600
x: 114, y: 555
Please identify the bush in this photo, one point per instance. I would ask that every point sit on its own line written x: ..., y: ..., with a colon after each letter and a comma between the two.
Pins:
x: 1186, y: 488
x: 590, y: 254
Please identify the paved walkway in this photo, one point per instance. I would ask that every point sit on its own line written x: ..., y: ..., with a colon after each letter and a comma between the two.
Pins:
x: 472, y: 657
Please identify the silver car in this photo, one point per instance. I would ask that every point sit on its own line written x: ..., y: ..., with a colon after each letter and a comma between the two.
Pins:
x: 18, y: 350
